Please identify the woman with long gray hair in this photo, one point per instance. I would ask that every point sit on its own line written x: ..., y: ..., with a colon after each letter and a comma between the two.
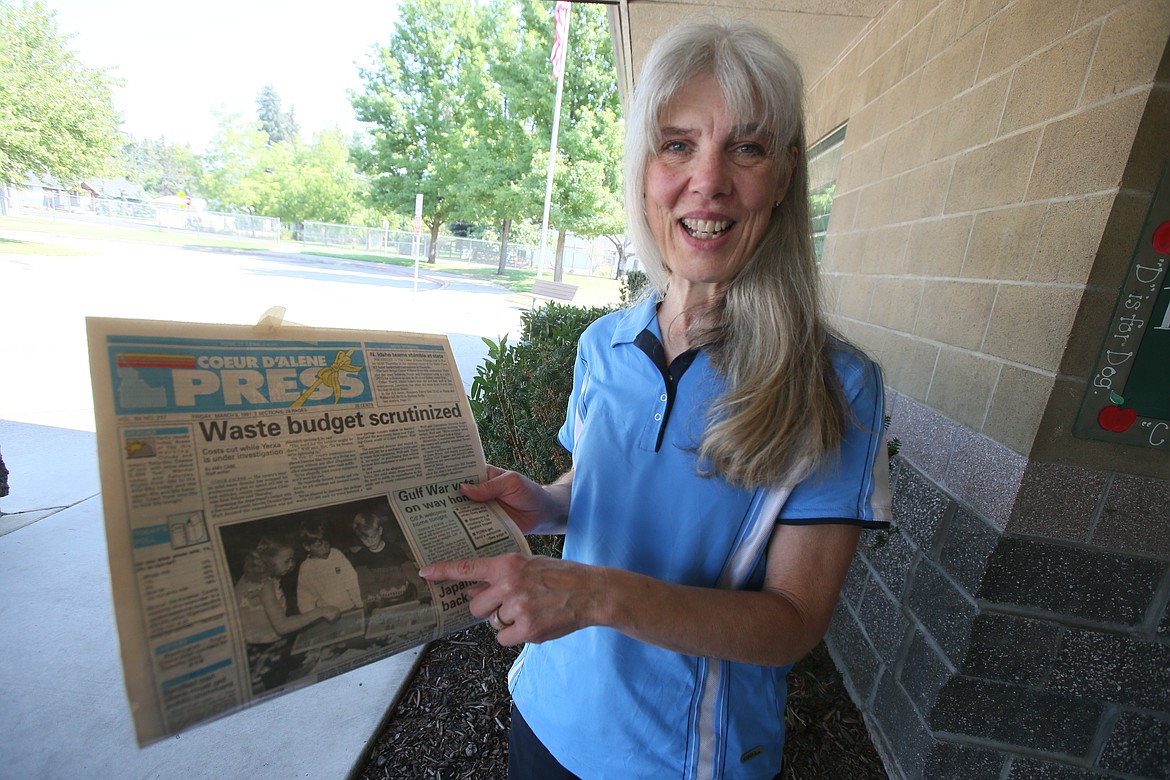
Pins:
x: 727, y: 450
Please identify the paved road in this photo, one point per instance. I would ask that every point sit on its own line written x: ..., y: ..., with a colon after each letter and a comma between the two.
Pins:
x: 44, y: 300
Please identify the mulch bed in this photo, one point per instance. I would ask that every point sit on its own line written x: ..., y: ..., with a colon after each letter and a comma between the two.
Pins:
x: 451, y: 722
x: 825, y: 737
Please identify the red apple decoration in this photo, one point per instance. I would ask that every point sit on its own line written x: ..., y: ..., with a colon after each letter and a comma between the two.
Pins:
x: 1162, y: 238
x: 1115, y: 419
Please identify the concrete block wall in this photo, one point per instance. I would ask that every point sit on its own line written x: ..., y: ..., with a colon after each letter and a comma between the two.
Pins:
x: 999, y: 160
x: 985, y: 164
x: 975, y: 653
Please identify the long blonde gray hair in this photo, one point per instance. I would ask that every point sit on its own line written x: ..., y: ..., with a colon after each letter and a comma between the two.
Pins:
x: 782, y: 414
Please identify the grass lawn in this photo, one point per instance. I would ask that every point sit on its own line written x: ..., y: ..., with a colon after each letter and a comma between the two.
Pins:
x: 12, y: 246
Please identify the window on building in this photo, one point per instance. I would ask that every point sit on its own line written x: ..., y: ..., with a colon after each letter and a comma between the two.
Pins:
x: 824, y: 160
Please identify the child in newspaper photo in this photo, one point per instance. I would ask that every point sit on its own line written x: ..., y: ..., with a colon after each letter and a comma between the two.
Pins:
x: 387, y: 573
x: 268, y: 628
x: 326, y: 577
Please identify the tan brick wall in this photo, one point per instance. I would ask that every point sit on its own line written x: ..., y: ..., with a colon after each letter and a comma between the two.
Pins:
x: 990, y: 191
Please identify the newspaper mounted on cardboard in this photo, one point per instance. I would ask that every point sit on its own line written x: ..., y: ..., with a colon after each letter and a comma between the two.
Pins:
x: 270, y: 495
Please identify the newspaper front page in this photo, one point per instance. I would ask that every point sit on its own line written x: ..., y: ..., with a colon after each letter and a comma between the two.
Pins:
x: 270, y: 495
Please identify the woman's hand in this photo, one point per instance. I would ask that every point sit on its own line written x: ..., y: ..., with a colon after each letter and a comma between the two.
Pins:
x: 537, y: 598
x: 534, y: 508
x: 542, y: 598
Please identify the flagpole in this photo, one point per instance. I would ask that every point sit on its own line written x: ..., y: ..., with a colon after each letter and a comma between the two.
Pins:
x: 552, y: 164
x: 559, y: 56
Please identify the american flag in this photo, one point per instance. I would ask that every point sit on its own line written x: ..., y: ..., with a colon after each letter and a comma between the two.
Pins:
x: 560, y: 37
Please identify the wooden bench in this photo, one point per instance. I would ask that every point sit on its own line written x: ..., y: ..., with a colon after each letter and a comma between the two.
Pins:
x: 556, y: 291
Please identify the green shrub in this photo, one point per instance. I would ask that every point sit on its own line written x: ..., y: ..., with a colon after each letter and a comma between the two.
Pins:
x: 632, y: 286
x: 521, y: 391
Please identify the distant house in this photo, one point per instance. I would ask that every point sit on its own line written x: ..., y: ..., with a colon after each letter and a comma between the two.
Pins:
x: 48, y: 193
x: 119, y: 188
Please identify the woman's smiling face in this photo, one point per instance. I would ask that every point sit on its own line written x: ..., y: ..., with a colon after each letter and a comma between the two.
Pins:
x: 710, y: 186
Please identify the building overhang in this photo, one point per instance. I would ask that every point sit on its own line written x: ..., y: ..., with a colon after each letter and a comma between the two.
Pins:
x: 817, y: 32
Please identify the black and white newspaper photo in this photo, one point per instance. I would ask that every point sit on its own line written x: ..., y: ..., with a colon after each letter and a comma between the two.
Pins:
x: 270, y: 495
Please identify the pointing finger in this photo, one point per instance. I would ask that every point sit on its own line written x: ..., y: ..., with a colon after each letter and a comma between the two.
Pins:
x: 471, y: 570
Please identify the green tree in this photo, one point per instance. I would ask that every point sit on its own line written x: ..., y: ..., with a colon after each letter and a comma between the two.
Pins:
x: 314, y: 181
x: 233, y: 165
x: 291, y: 180
x: 279, y: 125
x: 624, y: 250
x: 159, y: 167
x: 57, y: 116
x: 504, y: 185
x: 416, y: 100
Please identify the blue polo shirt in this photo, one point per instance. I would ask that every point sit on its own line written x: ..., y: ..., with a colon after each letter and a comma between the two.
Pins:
x: 609, y: 706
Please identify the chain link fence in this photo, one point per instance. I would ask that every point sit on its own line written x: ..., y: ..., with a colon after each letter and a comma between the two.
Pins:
x: 35, y: 200
x: 140, y: 214
x: 171, y: 218
x: 581, y: 259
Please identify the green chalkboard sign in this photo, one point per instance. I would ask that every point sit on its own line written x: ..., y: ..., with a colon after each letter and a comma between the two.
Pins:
x: 1128, y: 397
